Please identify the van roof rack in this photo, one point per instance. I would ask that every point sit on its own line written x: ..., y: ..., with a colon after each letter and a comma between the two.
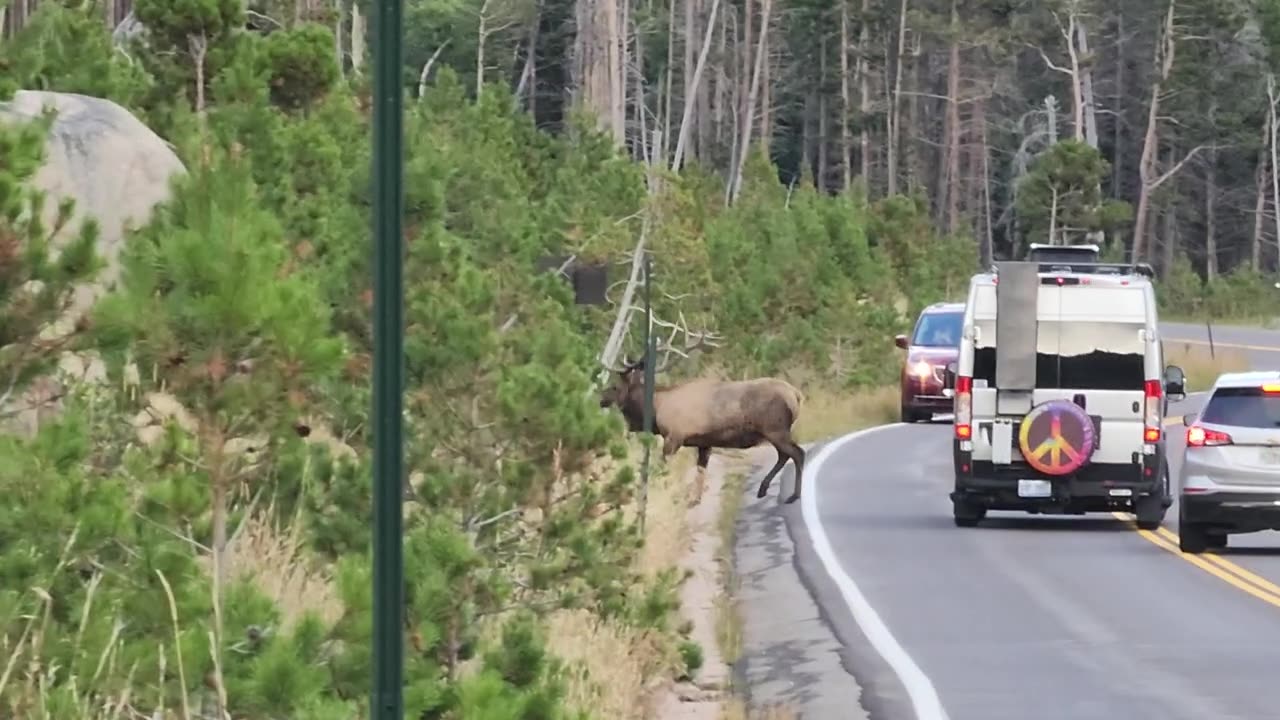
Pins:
x: 1094, y: 268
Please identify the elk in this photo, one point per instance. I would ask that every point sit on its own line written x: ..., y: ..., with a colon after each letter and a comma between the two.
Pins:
x: 707, y: 414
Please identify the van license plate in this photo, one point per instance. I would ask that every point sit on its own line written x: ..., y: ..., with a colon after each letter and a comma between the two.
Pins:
x: 1034, y: 488
x: 1271, y: 455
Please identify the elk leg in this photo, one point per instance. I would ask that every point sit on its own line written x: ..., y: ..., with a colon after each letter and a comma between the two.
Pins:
x: 768, y: 478
x: 704, y: 457
x: 797, y: 454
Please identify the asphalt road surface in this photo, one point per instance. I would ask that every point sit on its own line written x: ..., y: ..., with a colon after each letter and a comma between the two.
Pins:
x: 1033, y: 617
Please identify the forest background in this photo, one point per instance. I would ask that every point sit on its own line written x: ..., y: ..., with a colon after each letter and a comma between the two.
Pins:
x: 808, y: 175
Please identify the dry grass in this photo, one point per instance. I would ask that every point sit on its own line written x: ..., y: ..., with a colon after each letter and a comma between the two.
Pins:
x: 614, y: 666
x: 831, y: 412
x: 728, y: 619
x: 1201, y: 366
x: 666, y: 531
x: 275, y: 561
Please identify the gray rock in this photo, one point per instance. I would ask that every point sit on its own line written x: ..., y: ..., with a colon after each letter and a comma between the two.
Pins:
x: 114, y: 168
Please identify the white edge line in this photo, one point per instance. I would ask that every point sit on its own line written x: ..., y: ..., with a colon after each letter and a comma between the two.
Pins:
x: 924, y: 698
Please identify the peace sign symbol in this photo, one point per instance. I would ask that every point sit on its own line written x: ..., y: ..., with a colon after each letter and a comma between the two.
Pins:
x: 1057, y: 437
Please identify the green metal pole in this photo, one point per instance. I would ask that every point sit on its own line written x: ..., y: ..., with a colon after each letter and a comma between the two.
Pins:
x: 387, y: 697
x: 649, y: 360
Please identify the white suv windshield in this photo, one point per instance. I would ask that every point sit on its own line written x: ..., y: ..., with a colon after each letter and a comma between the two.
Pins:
x: 1243, y: 407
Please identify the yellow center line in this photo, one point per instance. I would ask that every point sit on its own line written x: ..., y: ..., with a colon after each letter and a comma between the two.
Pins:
x: 1219, y: 567
x: 1229, y: 566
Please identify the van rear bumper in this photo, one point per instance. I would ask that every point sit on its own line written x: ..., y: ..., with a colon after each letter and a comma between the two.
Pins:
x: 1097, y: 487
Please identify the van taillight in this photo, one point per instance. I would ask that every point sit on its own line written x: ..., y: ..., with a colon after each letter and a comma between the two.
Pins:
x: 1152, y: 390
x: 964, y: 407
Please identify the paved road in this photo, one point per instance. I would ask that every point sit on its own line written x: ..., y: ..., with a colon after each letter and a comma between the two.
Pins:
x: 1029, y: 617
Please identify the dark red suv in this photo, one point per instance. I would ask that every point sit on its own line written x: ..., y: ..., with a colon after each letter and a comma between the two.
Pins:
x: 934, y: 342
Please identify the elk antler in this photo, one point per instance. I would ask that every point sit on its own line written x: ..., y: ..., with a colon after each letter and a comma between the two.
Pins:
x: 693, y: 341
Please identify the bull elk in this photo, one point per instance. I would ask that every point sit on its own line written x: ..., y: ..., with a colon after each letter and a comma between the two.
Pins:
x: 706, y: 414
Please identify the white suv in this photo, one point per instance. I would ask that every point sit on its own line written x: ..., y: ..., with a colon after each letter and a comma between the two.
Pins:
x: 1231, y: 465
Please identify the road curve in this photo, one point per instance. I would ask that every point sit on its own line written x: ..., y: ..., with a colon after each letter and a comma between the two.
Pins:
x: 1024, y: 617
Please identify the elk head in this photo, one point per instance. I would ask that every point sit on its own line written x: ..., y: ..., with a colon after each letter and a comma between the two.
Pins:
x: 630, y: 375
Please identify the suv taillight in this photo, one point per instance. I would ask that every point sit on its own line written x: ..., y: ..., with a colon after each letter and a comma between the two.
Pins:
x: 964, y: 407
x: 1203, y: 437
x: 1152, y: 390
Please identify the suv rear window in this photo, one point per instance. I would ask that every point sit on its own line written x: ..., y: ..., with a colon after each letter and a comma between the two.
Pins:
x: 1243, y: 407
x: 938, y: 329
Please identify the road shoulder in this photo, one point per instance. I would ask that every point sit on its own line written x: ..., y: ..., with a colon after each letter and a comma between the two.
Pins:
x: 792, y: 657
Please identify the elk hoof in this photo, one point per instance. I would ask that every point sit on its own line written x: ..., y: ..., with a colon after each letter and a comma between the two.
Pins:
x: 794, y: 497
x: 764, y: 490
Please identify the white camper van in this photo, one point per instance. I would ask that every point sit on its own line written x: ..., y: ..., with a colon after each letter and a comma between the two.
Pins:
x: 1060, y: 393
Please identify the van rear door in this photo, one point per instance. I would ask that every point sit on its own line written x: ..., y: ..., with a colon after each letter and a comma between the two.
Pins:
x: 1091, y: 346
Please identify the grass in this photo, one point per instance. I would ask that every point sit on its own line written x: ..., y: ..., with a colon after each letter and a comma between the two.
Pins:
x: 830, y: 412
x: 1202, y: 367
x: 728, y: 619
x: 274, y: 559
x: 617, y: 667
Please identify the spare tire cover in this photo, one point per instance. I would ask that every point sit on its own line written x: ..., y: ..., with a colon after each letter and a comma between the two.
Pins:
x: 1057, y: 437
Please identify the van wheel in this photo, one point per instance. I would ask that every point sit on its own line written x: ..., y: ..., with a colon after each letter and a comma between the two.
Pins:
x: 1149, y: 511
x: 966, y: 513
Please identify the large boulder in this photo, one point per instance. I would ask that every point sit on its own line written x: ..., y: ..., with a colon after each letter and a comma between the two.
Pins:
x: 116, y: 170
x: 102, y: 157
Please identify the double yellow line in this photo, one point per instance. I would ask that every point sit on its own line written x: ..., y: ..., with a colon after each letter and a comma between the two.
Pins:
x: 1215, y: 565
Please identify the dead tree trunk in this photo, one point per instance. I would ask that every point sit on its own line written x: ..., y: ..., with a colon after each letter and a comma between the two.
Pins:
x: 744, y: 143
x: 893, y: 118
x: 949, y: 189
x: 686, y: 122
x: 1210, y: 211
x: 1260, y: 196
x: 864, y: 95
x: 846, y: 137
x: 1146, y: 165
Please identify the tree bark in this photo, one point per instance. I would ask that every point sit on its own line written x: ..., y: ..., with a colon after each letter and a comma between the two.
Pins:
x: 1087, y: 103
x: 1272, y: 100
x: 893, y: 117
x: 987, y: 249
x: 1117, y: 134
x: 1210, y: 201
x: 864, y: 95
x: 1260, y: 196
x: 1146, y: 165
x: 846, y: 137
x: 949, y: 189
x: 820, y: 167
x: 744, y: 145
